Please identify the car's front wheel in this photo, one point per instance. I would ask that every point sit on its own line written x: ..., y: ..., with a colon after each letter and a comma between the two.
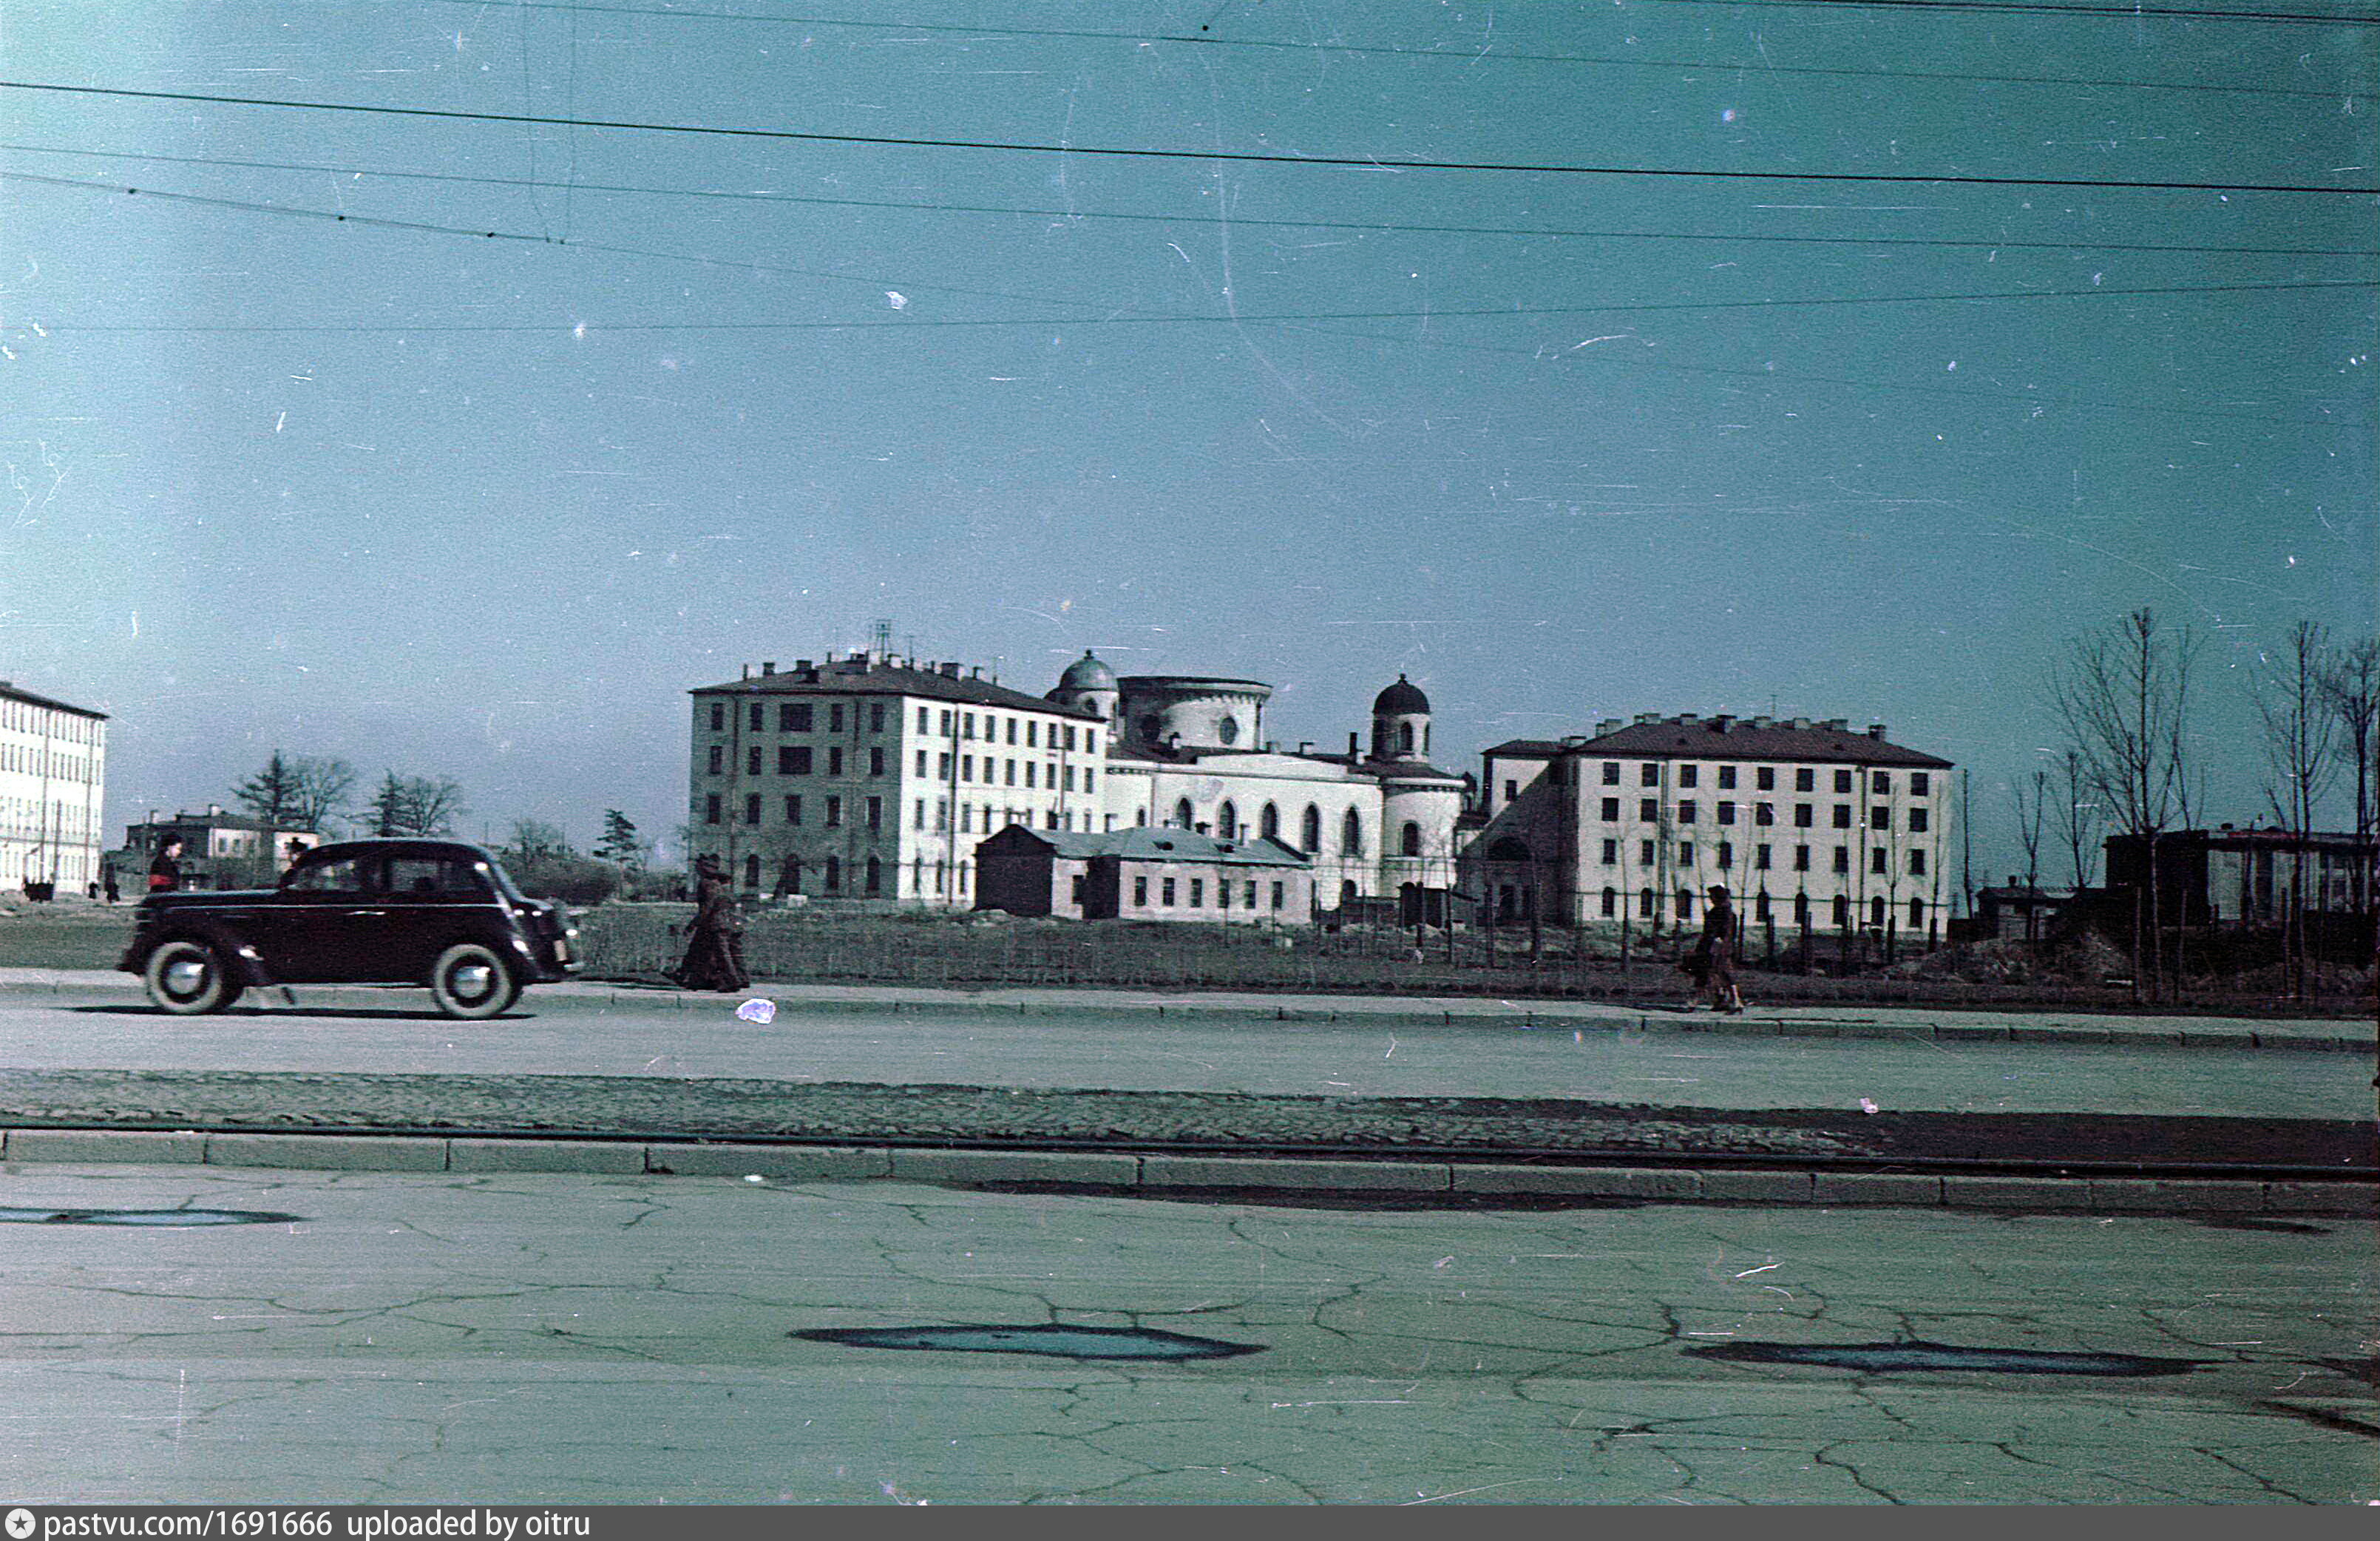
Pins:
x: 470, y: 981
x: 189, y: 977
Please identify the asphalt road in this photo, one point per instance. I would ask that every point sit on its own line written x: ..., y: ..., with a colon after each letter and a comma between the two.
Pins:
x: 558, y: 1033
x: 546, y: 1339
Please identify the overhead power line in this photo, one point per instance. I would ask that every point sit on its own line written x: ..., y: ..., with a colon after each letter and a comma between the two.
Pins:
x: 1254, y: 318
x: 1370, y: 162
x: 1234, y: 221
x: 1464, y: 55
x: 2038, y: 7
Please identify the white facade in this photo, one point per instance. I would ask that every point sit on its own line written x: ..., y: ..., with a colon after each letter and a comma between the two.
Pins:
x: 52, y: 784
x: 1806, y: 824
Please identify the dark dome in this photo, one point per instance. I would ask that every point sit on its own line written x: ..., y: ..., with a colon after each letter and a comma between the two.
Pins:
x: 1087, y: 673
x: 1401, y: 700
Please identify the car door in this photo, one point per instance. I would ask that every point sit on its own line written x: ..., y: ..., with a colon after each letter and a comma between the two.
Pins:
x: 431, y: 902
x: 334, y: 915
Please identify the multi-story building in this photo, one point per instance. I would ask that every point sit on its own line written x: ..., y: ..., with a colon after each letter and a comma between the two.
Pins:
x: 868, y: 778
x: 53, y: 780
x: 219, y: 850
x: 1808, y: 824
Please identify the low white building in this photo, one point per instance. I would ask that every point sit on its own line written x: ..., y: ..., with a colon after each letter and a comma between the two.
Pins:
x: 1808, y: 824
x: 53, y: 785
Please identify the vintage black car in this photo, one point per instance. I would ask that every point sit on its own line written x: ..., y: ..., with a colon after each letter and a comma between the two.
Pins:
x: 381, y: 912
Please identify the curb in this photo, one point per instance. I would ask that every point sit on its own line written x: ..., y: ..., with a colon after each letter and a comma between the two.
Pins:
x: 1154, y: 1175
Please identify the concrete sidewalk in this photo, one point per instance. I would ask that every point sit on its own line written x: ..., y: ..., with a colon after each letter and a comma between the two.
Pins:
x: 1942, y: 1024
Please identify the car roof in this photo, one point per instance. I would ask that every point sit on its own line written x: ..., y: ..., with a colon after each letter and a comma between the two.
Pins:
x: 453, y: 850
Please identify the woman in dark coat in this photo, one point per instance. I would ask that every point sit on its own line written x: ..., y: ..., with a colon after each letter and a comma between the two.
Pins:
x: 714, y: 949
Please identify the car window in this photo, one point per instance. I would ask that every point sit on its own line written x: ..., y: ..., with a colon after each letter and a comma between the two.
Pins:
x: 431, y: 876
x: 351, y: 876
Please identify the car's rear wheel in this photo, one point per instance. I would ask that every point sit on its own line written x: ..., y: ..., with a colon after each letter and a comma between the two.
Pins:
x: 470, y: 981
x: 189, y: 977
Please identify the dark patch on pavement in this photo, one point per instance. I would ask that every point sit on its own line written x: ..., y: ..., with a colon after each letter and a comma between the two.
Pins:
x: 1059, y: 1341
x: 2257, y: 1222
x: 1881, y: 1358
x: 1358, y: 1199
x: 170, y: 1218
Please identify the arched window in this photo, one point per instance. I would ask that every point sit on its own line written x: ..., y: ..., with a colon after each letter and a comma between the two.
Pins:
x: 789, y: 875
x: 1800, y: 909
x: 1647, y: 904
x: 1876, y: 910
x: 1310, y: 835
x: 1842, y: 913
x: 875, y: 876
x: 752, y: 870
x: 1404, y: 738
x: 1917, y: 914
x: 1269, y: 822
x: 1409, y: 842
x: 1686, y: 903
x: 1351, y: 835
x: 1346, y: 891
x: 1140, y: 818
x: 1182, y: 814
x: 1610, y: 902
x: 1227, y: 821
x: 835, y: 874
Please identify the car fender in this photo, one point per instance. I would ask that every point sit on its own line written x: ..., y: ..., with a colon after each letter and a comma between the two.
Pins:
x: 244, y: 962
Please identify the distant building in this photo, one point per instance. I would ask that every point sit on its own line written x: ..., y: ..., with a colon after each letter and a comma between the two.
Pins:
x: 1809, y: 824
x: 2016, y: 912
x: 2234, y: 877
x: 219, y: 850
x: 53, y: 785
x: 1144, y: 874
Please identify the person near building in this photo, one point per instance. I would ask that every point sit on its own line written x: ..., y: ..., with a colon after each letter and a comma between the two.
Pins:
x: 166, y: 871
x: 1714, y: 954
x: 714, y: 947
x: 107, y: 883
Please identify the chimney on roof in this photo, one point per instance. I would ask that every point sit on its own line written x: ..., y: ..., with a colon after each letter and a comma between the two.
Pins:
x: 1306, y: 745
x: 747, y: 670
x: 1352, y: 752
x: 1875, y: 730
x: 1841, y: 724
x: 1689, y: 717
x: 214, y: 810
x: 1609, y: 724
x: 768, y: 667
x: 1721, y: 724
x: 977, y: 673
x: 801, y: 666
x: 1645, y: 717
x: 949, y: 671
x: 1573, y: 741
x: 1802, y: 722
x: 1763, y: 722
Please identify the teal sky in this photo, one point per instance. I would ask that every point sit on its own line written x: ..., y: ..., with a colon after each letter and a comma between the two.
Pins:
x: 562, y: 421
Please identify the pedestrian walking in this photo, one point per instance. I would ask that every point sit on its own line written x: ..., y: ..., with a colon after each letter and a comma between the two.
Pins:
x: 1716, y: 952
x: 714, y: 947
x: 166, y: 872
x: 107, y: 882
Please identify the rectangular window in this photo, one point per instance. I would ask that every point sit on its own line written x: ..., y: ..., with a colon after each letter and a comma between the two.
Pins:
x: 1087, y: 778
x: 1512, y: 789
x: 1727, y: 778
x: 966, y: 725
x: 1070, y: 738
x: 1250, y: 896
x: 1689, y: 775
x: 1165, y: 893
x: 1760, y: 857
x: 1880, y: 783
x: 1842, y: 859
x: 1031, y: 770
x: 1611, y: 810
x: 875, y: 813
x: 834, y: 761
x: 949, y: 727
x: 1012, y: 730
x: 718, y: 717
x: 943, y: 766
x: 921, y: 813
x: 1917, y: 820
x: 758, y: 716
x: 1726, y: 856
x: 785, y: 717
x: 876, y: 762
x: 1648, y: 811
x: 1647, y: 854
x: 1843, y: 816
x: 710, y: 808
x: 1612, y: 853
x: 1763, y: 813
x: 1727, y: 813
x: 1802, y: 816
x: 1686, y: 811
x: 1805, y: 780
x: 921, y: 762
x: 1198, y: 893
x: 966, y: 818
x: 1877, y: 862
x: 967, y: 768
x: 793, y: 810
x: 1611, y: 772
x: 1919, y: 783
x: 1140, y: 892
x: 925, y: 721
x: 1765, y: 778
x: 1801, y: 858
x: 752, y: 760
x: 1279, y: 894
x: 1032, y: 731
x: 1917, y: 864
x: 718, y: 758
x: 751, y: 807
x: 1648, y: 774
x: 1842, y: 781
x: 1070, y: 778
x: 876, y: 717
x: 834, y: 813
x: 1686, y: 853
x: 834, y: 717
x: 793, y: 760
x: 1879, y: 819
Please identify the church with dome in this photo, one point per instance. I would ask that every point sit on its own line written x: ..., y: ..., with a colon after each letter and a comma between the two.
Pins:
x: 1190, y: 752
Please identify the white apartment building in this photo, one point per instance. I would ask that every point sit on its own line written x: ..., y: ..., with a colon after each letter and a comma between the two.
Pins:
x: 871, y: 778
x: 1808, y: 824
x: 53, y: 779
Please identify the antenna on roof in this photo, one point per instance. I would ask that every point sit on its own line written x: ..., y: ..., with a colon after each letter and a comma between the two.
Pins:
x: 880, y: 641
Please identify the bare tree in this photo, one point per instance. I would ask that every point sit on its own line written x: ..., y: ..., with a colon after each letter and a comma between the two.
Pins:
x: 2078, y: 817
x: 534, y: 840
x: 324, y: 787
x: 2031, y: 814
x: 2123, y: 693
x: 414, y: 806
x: 2350, y: 688
x: 2300, y: 769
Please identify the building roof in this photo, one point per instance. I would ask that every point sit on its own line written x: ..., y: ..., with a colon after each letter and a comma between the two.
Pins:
x: 1087, y: 673
x: 1400, y: 699
x: 1691, y: 737
x: 10, y: 691
x: 219, y: 820
x: 1146, y: 844
x: 865, y: 676
x: 1525, y: 748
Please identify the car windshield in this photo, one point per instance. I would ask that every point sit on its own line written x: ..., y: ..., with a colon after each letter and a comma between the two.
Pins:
x: 503, y: 881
